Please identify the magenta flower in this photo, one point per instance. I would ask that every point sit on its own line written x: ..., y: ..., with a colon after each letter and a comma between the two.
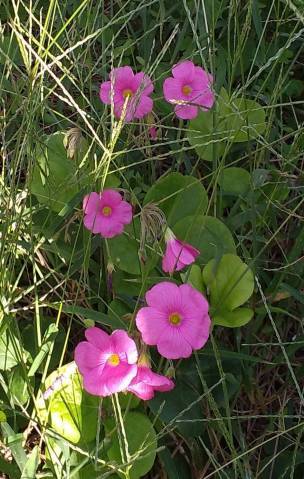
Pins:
x: 106, y: 213
x: 176, y: 319
x: 189, y: 90
x: 128, y: 91
x: 152, y: 133
x: 146, y: 382
x: 107, y: 363
x: 178, y: 254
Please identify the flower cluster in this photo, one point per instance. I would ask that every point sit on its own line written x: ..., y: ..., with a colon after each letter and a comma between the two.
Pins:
x: 175, y: 319
x: 190, y: 89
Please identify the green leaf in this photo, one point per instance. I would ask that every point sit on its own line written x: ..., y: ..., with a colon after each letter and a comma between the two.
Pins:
x: 233, y: 319
x: 30, y: 468
x: 11, y: 351
x: 234, y: 181
x: 194, y: 277
x: 206, y: 233
x: 56, y: 178
x: 230, y: 282
x: 14, y: 442
x: 18, y: 385
x: 72, y: 412
x: 178, y: 196
x: 142, y: 443
x: 124, y: 252
x: 233, y: 120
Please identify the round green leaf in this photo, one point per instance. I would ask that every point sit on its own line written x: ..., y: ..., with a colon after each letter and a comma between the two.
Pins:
x: 56, y: 179
x: 232, y: 120
x: 141, y: 439
x: 230, y: 282
x: 124, y: 252
x: 72, y: 412
x: 233, y: 319
x: 206, y: 233
x: 178, y: 196
x: 234, y: 181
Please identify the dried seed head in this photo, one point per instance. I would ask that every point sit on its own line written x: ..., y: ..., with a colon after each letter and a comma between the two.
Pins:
x: 72, y: 141
x: 152, y: 224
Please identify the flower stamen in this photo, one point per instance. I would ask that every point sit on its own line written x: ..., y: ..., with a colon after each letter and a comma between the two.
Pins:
x: 107, y: 210
x: 114, y: 360
x: 186, y: 90
x: 127, y: 93
x: 175, y: 319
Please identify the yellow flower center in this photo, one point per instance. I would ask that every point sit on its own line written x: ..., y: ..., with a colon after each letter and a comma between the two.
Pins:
x: 114, y: 360
x: 106, y: 210
x: 127, y: 92
x: 175, y: 319
x: 186, y: 89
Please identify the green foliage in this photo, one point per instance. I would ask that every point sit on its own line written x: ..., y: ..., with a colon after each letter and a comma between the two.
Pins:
x: 56, y: 178
x: 178, y: 196
x: 234, y: 181
x: 234, y: 120
x: 70, y: 411
x: 140, y: 441
x: 230, y: 283
x: 208, y: 234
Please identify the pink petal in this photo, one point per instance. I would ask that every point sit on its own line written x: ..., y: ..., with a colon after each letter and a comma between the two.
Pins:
x: 94, y: 222
x: 184, y: 70
x: 123, y: 77
x: 186, y: 112
x: 205, y: 100
x: 91, y: 202
x: 172, y: 89
x: 109, y: 228
x: 143, y: 106
x: 151, y: 323
x: 112, y: 379
x: 201, y: 79
x: 88, y: 357
x: 164, y: 297
x: 124, y: 213
x: 196, y: 331
x: 184, y: 252
x: 110, y: 198
x: 178, y: 255
x: 122, y: 343
x: 142, y: 390
x: 128, y: 111
x: 169, y: 261
x: 105, y: 92
x: 143, y: 83
x: 195, y: 301
x: 98, y: 338
x: 173, y: 345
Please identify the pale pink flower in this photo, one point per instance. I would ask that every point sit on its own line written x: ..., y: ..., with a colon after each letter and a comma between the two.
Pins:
x: 106, y: 213
x: 146, y: 382
x: 128, y: 90
x: 106, y: 362
x: 178, y: 254
x: 176, y: 319
x: 189, y: 89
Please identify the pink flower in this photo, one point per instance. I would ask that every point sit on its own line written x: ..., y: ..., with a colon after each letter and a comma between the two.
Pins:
x: 107, y: 363
x: 106, y: 213
x: 176, y: 319
x: 153, y: 133
x: 178, y: 254
x: 146, y: 382
x: 189, y: 89
x: 128, y: 90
